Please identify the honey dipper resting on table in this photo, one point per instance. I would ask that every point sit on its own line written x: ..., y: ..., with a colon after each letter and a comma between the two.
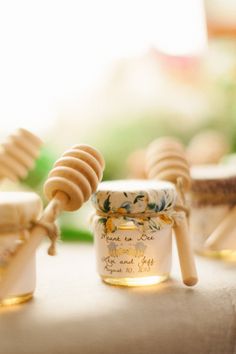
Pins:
x: 166, y: 160
x: 74, y: 177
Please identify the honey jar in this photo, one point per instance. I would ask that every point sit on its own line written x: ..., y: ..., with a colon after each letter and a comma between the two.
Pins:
x: 212, y: 197
x: 133, y: 231
x: 18, y: 212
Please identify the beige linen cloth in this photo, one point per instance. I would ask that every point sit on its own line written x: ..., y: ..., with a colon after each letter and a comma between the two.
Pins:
x: 73, y: 312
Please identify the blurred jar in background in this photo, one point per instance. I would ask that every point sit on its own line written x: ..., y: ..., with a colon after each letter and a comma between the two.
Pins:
x: 18, y: 210
x: 212, y: 196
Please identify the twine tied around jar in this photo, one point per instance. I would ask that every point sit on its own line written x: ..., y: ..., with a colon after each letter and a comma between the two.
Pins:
x: 169, y: 217
x: 53, y: 234
x: 51, y: 228
x: 52, y: 231
x: 49, y: 224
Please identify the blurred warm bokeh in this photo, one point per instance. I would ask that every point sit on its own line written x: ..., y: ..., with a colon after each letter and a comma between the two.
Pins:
x: 118, y: 74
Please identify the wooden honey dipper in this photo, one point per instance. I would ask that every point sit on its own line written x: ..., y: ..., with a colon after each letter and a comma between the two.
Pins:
x: 71, y: 182
x: 217, y: 239
x: 165, y: 160
x: 18, y: 154
x: 166, y: 157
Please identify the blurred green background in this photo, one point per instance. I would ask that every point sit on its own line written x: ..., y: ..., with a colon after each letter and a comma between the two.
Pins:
x: 118, y: 88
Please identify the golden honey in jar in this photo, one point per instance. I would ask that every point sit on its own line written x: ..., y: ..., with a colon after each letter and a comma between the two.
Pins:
x: 133, y: 231
x: 18, y: 210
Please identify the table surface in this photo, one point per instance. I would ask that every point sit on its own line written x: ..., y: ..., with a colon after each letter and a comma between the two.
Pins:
x: 74, y: 312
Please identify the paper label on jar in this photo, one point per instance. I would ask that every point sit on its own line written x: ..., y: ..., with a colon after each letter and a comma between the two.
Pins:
x: 130, y: 253
x: 26, y: 282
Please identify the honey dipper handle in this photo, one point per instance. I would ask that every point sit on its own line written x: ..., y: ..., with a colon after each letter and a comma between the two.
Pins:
x: 20, y: 260
x: 185, y: 251
x: 218, y: 237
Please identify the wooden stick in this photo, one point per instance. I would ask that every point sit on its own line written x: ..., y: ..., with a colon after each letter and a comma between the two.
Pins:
x: 218, y: 237
x: 185, y: 251
x: 183, y: 242
x: 20, y: 260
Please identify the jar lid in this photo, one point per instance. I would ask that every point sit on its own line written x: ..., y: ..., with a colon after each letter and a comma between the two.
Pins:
x: 213, y: 184
x: 134, y: 196
x: 213, y: 172
x: 18, y: 209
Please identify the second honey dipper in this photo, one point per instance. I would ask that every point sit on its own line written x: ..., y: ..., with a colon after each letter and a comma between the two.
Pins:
x: 18, y: 154
x: 71, y: 182
x: 166, y: 161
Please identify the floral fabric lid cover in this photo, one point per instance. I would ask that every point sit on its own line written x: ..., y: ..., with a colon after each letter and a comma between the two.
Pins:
x: 134, y: 196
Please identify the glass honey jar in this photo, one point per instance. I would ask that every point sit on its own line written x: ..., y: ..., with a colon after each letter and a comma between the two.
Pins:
x: 212, y: 197
x: 133, y: 231
x: 18, y: 210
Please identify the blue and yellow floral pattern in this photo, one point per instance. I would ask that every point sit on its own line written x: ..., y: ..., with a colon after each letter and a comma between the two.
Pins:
x: 156, y: 196
x: 160, y: 201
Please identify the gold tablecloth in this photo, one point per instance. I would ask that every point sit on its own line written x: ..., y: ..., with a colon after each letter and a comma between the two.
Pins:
x: 74, y: 312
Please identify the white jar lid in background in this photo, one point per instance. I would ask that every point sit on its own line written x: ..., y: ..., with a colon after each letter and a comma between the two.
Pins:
x: 18, y: 209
